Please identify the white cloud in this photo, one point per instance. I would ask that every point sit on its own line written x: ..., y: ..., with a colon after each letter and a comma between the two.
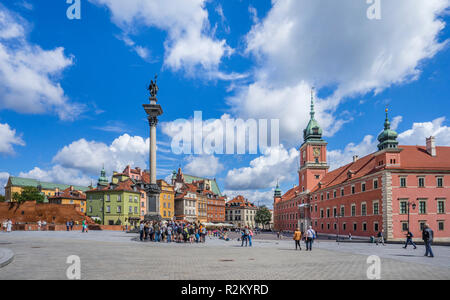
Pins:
x: 59, y: 174
x: 396, y: 122
x: 190, y: 44
x: 3, y: 181
x: 8, y: 138
x: 277, y: 163
x: 295, y: 49
x: 203, y: 166
x: 89, y: 156
x: 420, y: 131
x: 28, y: 74
x: 339, y: 158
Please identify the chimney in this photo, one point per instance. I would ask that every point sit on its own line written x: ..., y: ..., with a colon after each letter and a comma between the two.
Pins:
x: 431, y: 146
x: 355, y: 158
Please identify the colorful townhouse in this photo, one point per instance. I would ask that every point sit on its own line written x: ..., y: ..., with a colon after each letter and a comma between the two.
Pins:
x: 241, y: 212
x: 392, y: 190
x: 115, y: 203
x: 69, y: 196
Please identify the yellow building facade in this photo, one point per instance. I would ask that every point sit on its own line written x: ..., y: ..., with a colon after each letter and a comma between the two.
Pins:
x: 166, y: 200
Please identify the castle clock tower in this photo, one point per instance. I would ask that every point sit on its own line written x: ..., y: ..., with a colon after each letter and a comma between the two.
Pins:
x: 313, y: 154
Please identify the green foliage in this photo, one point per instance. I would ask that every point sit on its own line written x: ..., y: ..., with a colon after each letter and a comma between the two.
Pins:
x: 263, y: 216
x: 2, y: 198
x: 28, y: 194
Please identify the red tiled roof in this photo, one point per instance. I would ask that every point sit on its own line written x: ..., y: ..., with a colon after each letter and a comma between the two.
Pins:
x: 66, y: 194
x: 291, y: 194
x: 241, y: 201
x: 416, y: 157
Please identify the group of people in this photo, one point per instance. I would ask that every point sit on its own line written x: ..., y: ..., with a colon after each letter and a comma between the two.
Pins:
x: 309, y: 236
x: 172, y: 232
x: 246, y: 236
x: 71, y: 223
x: 7, y: 225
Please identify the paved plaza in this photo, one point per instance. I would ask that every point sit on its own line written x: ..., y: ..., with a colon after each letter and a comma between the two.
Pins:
x: 119, y: 255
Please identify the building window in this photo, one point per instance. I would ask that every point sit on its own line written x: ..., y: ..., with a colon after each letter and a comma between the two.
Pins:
x: 355, y: 226
x: 335, y: 226
x: 108, y: 209
x: 328, y: 212
x: 335, y: 212
x: 342, y: 192
x: 364, y: 226
x: 403, y: 207
x: 363, y: 187
x: 421, y: 181
x: 376, y: 208
x: 375, y: 227
x: 403, y: 182
x: 375, y: 184
x: 363, y: 209
x: 441, y: 226
x: 344, y: 226
x: 353, y: 210
x: 404, y: 226
x: 90, y: 209
x: 440, y: 182
x: 321, y: 213
x: 334, y: 194
x: 130, y: 209
x: 422, y: 207
x: 422, y: 225
x: 119, y: 209
x: 321, y: 225
x: 108, y: 198
x: 328, y: 196
x: 328, y: 226
x: 342, y: 211
x: 353, y: 189
x: 441, y: 207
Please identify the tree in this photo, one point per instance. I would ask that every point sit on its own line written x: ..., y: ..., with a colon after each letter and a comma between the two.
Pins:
x: 263, y: 216
x: 29, y: 193
x: 2, y: 198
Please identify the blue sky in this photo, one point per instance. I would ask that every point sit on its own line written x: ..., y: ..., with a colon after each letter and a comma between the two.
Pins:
x: 71, y: 91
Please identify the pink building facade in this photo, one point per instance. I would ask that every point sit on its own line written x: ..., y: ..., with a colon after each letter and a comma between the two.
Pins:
x: 371, y: 194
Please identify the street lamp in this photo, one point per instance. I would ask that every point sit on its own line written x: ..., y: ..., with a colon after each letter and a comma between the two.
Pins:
x: 413, y: 205
x: 338, y: 215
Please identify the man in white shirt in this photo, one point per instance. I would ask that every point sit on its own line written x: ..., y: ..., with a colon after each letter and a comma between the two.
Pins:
x: 310, y: 235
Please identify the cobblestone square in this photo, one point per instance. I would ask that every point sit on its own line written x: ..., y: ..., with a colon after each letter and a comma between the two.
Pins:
x: 118, y: 255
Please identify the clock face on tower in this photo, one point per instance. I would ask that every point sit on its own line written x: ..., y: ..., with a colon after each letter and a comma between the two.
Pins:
x: 316, y: 152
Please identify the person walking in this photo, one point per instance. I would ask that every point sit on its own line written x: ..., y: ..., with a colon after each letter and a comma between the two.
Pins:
x: 380, y: 237
x: 71, y: 225
x: 409, y: 240
x: 310, y: 234
x: 4, y: 225
x: 244, y: 237
x: 39, y: 224
x: 297, y: 238
x: 68, y: 225
x: 250, y: 237
x: 9, y: 226
x: 141, y: 231
x: 427, y: 237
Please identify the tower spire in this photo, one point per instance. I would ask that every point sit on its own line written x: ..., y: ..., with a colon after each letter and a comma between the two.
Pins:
x: 313, y: 113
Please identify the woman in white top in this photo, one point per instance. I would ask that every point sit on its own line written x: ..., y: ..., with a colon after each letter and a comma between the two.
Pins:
x: 9, y: 226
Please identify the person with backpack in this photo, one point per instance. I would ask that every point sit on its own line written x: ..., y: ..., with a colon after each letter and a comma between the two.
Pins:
x: 409, y: 240
x: 244, y: 237
x: 380, y: 237
x: 427, y: 237
x: 297, y: 238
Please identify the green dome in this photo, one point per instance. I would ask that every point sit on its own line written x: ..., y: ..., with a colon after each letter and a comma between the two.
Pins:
x: 277, y: 193
x: 388, y: 138
x: 103, y: 180
x: 313, y: 131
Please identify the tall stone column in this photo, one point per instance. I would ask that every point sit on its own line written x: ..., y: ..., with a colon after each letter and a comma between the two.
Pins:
x: 153, y: 111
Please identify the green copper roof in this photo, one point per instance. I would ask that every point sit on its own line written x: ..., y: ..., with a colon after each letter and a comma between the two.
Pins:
x: 22, y: 182
x: 388, y: 138
x: 103, y: 180
x: 277, y: 193
x: 214, y: 186
x: 313, y: 131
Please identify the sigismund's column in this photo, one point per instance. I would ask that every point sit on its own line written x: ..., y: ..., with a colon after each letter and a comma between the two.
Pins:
x: 153, y: 111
